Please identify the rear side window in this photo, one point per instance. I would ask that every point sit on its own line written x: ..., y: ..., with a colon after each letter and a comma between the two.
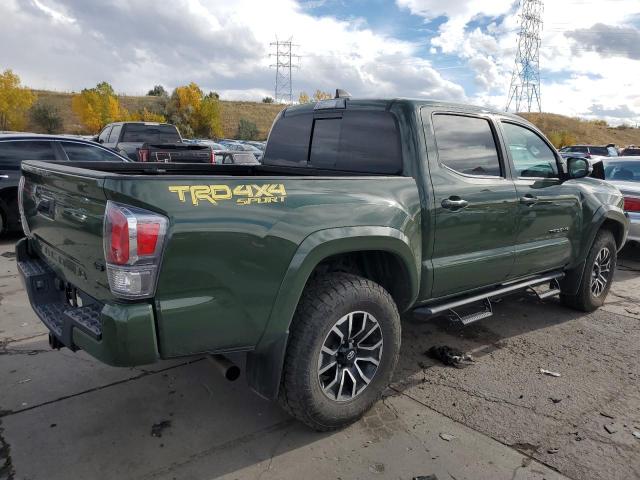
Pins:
x: 13, y: 152
x: 355, y: 141
x: 104, y: 135
x: 466, y: 145
x: 115, y: 133
x: 579, y: 149
x: 289, y: 139
x: 140, y: 133
x: 603, y: 151
x: 80, y: 152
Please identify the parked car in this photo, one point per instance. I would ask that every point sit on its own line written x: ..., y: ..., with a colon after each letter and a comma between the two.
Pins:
x: 151, y: 142
x: 244, y: 147
x: 16, y: 147
x: 235, y: 158
x: 589, y: 151
x: 631, y: 151
x: 259, y: 145
x: 361, y: 210
x: 624, y: 173
x: 215, y: 146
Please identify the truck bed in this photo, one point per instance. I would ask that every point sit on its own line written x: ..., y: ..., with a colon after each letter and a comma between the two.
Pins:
x: 193, y: 169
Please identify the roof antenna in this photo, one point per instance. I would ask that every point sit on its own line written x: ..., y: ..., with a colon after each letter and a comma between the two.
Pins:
x: 342, y: 93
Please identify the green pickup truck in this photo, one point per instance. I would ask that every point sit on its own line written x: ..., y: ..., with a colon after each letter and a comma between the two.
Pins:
x: 362, y: 210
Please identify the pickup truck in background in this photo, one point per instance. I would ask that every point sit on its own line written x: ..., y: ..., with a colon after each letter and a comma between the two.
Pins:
x: 361, y: 210
x: 152, y: 142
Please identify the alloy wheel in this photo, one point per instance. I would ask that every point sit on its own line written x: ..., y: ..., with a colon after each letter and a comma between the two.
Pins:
x: 601, y: 272
x: 350, y: 356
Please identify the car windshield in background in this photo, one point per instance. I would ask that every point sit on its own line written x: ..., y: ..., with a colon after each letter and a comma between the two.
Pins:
x: 603, y: 151
x: 631, y: 151
x: 150, y: 134
x: 626, y: 171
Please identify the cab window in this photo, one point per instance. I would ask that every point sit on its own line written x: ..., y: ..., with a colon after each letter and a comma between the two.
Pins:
x: 466, y: 145
x: 532, y: 157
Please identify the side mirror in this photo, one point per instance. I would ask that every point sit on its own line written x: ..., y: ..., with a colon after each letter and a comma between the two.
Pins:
x: 578, y: 167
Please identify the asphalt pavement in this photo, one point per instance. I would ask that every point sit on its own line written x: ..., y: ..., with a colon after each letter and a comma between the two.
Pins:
x: 64, y: 415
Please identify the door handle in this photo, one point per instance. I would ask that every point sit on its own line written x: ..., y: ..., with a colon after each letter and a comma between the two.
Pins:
x: 454, y: 203
x: 529, y: 199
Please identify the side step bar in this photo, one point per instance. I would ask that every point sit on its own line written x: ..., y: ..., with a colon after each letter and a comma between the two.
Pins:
x: 554, y: 289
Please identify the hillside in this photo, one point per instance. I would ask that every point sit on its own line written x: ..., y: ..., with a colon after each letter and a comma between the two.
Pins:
x: 558, y: 128
x: 583, y: 131
x: 262, y: 114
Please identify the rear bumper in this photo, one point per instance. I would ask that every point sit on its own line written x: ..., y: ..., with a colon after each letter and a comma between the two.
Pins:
x: 116, y: 334
x: 634, y: 227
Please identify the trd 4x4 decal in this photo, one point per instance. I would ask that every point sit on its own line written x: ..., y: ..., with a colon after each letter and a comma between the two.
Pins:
x: 243, y: 194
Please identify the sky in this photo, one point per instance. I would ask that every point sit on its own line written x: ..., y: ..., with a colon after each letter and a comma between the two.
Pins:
x: 438, y: 49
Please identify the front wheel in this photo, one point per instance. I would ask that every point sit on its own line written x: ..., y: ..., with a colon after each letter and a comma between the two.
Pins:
x: 598, y: 274
x: 343, y: 348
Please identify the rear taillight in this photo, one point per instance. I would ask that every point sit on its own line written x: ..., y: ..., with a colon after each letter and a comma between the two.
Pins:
x: 213, y: 158
x: 632, y: 204
x: 143, y: 154
x: 133, y: 240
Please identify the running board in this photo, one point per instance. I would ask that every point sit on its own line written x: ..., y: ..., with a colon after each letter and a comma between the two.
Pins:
x: 474, y: 316
x: 552, y: 278
x: 554, y: 289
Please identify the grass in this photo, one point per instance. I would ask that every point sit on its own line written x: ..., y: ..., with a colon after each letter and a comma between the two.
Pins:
x: 262, y: 114
x: 581, y: 131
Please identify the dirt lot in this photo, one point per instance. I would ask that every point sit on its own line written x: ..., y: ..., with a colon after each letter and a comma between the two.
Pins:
x: 64, y: 415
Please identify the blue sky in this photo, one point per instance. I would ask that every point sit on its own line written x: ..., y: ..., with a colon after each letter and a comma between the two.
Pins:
x: 442, y: 49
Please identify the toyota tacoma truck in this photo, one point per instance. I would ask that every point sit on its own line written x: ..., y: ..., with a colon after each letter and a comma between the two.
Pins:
x: 361, y: 211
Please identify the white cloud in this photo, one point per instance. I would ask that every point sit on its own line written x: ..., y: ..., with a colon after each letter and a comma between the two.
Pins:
x: 221, y: 45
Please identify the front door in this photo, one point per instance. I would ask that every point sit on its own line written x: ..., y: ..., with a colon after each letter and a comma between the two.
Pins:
x: 549, y: 211
x: 475, y: 204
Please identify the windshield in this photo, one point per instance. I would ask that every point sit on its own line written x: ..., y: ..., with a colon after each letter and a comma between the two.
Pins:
x: 627, y: 171
x: 141, y: 133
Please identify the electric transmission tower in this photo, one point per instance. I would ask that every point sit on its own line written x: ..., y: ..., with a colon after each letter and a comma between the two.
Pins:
x: 524, y: 91
x: 284, y: 64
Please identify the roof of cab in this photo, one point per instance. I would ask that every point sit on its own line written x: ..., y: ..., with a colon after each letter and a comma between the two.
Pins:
x: 385, y: 104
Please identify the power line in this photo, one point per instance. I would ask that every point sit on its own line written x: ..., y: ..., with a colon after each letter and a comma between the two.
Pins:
x: 284, y: 65
x: 524, y: 90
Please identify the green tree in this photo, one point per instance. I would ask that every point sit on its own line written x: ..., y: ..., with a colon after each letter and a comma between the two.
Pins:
x: 15, y: 101
x: 267, y: 100
x: 47, y: 117
x: 247, y: 130
x: 157, y: 91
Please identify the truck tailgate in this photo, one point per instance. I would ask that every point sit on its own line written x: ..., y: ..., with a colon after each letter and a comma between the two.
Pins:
x: 63, y: 212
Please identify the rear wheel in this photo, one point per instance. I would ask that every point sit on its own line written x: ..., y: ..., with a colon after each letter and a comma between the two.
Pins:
x: 343, y: 348
x: 597, y: 276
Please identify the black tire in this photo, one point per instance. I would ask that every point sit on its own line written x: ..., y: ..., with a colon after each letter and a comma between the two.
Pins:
x: 586, y: 299
x: 3, y: 222
x: 325, y: 301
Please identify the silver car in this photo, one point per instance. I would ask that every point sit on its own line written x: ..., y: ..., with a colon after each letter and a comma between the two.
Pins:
x: 624, y: 173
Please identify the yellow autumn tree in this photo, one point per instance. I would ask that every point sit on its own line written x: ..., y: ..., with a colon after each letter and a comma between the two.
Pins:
x: 320, y: 95
x: 15, y: 101
x: 98, y: 106
x: 145, y: 115
x: 195, y: 113
x: 303, y: 98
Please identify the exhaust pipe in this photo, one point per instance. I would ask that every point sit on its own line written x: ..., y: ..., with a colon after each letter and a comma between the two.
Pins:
x: 226, y: 367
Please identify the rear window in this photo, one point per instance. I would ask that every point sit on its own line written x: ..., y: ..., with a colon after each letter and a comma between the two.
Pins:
x: 13, y: 152
x: 139, y: 133
x: 352, y: 141
x: 628, y: 171
x: 603, y: 151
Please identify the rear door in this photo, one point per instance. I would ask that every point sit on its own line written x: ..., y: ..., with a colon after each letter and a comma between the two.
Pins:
x: 475, y: 203
x: 549, y: 211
